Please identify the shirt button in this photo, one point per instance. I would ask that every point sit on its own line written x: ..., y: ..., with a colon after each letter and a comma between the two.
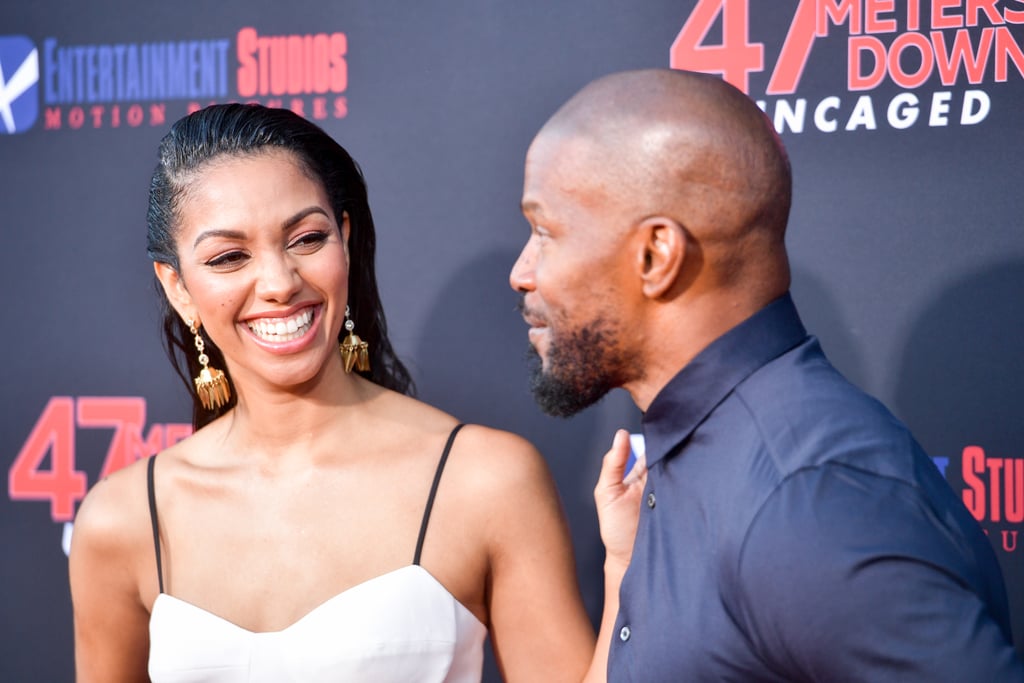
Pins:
x: 650, y: 500
x: 624, y: 633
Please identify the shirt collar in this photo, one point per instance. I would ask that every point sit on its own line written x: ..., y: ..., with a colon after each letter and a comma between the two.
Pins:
x: 705, y: 381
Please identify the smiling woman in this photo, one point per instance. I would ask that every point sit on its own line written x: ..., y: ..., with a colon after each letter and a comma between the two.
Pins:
x: 305, y: 530
x: 250, y: 136
x: 261, y: 252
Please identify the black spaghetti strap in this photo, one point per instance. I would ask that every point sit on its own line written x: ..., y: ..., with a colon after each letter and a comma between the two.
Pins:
x: 433, y: 492
x: 152, y: 518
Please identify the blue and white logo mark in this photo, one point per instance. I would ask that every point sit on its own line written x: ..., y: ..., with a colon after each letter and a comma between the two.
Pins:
x: 19, y: 84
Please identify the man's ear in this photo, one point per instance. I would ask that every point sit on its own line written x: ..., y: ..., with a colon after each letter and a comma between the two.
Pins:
x: 175, y: 289
x: 663, y: 249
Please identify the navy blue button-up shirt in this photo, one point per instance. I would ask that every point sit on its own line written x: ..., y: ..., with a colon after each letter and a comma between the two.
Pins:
x: 800, y: 533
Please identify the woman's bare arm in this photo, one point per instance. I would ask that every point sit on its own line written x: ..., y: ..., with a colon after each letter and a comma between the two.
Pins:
x: 111, y: 621
x: 539, y: 629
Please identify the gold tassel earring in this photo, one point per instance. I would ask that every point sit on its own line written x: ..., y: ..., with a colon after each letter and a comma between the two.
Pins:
x: 211, y: 384
x: 354, y: 351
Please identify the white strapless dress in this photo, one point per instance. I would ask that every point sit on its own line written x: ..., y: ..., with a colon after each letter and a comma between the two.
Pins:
x: 401, y: 627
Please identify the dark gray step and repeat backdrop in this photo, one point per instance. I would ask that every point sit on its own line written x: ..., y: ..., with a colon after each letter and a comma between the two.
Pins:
x: 903, y: 120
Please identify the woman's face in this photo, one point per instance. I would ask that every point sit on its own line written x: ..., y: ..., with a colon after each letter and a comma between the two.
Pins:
x: 264, y: 267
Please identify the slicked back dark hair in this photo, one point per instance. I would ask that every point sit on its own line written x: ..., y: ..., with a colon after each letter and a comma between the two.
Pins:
x: 238, y: 130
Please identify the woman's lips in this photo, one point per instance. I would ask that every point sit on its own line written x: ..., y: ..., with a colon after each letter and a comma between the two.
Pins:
x: 283, y: 329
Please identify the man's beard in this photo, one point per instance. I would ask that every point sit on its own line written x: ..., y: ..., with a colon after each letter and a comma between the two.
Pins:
x: 582, y: 367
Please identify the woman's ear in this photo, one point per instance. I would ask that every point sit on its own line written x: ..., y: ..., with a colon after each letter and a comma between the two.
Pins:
x: 345, y: 228
x: 663, y: 249
x: 175, y: 290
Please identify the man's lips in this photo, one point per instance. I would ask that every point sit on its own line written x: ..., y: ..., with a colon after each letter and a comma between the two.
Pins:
x: 532, y: 319
x: 538, y: 329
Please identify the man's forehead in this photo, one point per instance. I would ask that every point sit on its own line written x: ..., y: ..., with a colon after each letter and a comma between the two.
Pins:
x: 556, y: 156
x: 553, y: 172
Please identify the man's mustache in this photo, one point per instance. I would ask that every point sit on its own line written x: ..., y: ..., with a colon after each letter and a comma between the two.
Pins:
x: 531, y: 315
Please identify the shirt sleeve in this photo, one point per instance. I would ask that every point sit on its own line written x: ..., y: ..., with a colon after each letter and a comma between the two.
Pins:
x: 846, y: 575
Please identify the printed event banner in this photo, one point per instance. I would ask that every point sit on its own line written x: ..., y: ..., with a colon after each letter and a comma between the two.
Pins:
x: 902, y: 119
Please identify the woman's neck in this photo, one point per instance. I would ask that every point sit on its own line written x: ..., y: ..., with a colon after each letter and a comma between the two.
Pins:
x: 275, y: 424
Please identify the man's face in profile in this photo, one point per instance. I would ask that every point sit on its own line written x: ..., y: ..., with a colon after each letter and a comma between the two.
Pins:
x: 568, y: 274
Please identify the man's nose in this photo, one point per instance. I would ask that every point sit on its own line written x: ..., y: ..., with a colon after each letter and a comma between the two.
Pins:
x: 521, y: 276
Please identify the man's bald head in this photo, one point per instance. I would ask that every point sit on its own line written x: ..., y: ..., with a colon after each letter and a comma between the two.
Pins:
x: 658, y: 203
x: 689, y: 146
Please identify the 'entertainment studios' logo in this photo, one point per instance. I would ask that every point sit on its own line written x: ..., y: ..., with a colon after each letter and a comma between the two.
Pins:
x: 19, y: 80
x: 112, y: 85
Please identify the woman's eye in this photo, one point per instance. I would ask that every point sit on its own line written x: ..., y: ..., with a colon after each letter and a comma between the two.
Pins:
x: 310, y: 240
x: 227, y: 259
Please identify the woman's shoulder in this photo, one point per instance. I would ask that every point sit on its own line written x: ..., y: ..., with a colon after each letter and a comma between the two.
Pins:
x: 483, y: 456
x: 501, y: 451
x: 114, y: 515
x: 495, y: 472
x: 422, y: 415
x: 490, y: 455
x: 116, y: 508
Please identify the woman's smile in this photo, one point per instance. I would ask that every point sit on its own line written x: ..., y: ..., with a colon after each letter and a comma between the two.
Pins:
x: 282, y: 328
x: 286, y: 333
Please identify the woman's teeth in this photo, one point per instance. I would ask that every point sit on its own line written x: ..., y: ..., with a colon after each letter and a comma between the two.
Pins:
x: 282, y: 329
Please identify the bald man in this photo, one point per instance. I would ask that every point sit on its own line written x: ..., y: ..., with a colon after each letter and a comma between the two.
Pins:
x: 790, y: 528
